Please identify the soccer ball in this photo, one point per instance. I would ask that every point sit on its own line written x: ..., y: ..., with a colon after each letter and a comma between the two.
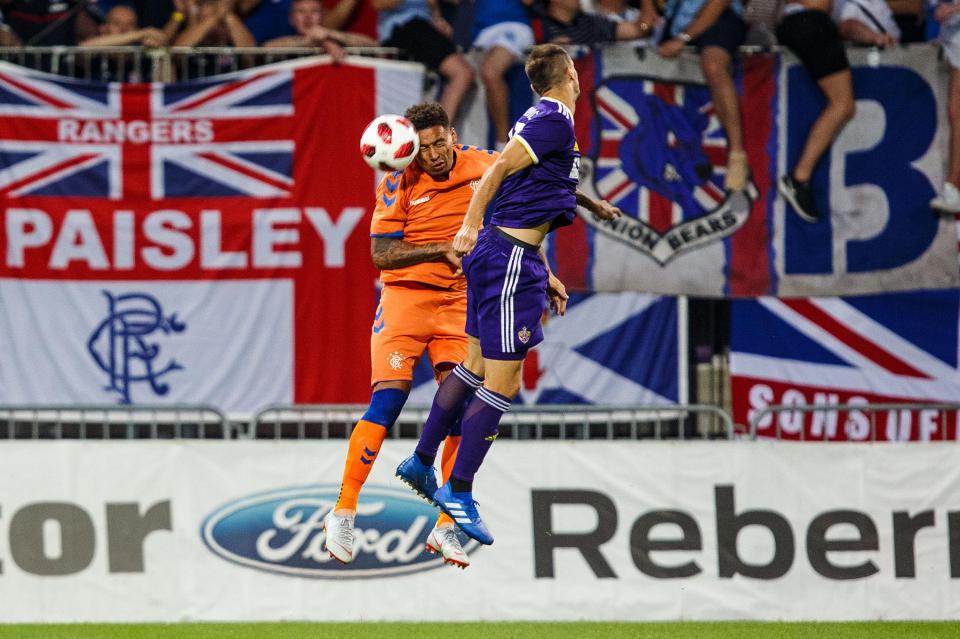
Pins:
x: 389, y: 143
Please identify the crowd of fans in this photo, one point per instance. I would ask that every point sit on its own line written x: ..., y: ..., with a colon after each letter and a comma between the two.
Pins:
x: 436, y: 32
x: 417, y: 24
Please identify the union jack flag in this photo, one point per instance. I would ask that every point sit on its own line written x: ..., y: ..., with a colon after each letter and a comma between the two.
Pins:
x: 63, y: 137
x: 893, y: 348
x: 661, y: 155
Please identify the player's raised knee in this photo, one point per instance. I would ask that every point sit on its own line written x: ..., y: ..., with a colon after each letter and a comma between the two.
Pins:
x: 385, y: 406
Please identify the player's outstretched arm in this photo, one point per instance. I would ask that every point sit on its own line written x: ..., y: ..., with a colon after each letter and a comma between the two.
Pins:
x: 392, y: 252
x: 514, y: 157
x: 600, y: 208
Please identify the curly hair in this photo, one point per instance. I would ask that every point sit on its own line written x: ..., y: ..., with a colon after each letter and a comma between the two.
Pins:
x: 426, y: 115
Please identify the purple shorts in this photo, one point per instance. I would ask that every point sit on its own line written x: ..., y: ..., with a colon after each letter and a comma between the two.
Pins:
x: 506, y: 295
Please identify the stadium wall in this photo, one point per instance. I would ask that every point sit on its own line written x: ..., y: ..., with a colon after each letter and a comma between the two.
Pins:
x: 153, y: 531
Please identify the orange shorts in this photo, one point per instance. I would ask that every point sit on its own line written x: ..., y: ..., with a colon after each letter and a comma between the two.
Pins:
x: 412, y: 318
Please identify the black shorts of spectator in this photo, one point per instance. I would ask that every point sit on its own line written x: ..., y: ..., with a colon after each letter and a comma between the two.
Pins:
x: 427, y: 38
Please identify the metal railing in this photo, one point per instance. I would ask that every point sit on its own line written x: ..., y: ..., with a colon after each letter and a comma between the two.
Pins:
x: 113, y: 422
x: 170, y: 64
x: 899, y: 420
x: 139, y: 64
x: 564, y: 422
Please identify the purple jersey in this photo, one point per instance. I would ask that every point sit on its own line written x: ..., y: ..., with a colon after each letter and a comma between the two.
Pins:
x: 546, y: 190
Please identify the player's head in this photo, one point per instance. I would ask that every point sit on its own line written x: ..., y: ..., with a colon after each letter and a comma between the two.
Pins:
x: 437, y: 137
x: 549, y: 68
x: 305, y: 15
x: 119, y: 20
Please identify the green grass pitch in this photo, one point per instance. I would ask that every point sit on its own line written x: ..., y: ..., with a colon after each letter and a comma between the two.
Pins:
x: 375, y: 630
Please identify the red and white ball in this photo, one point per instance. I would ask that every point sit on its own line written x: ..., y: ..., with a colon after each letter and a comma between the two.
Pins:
x: 389, y: 143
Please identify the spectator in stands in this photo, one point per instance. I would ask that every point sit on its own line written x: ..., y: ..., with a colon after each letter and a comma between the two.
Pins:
x: 339, y: 14
x: 948, y: 15
x: 417, y: 27
x: 616, y: 10
x: 271, y: 19
x: 808, y: 30
x: 120, y: 28
x: 156, y: 13
x: 911, y: 17
x: 51, y: 22
x: 564, y: 22
x: 866, y: 22
x: 502, y: 29
x: 7, y: 37
x: 306, y: 18
x: 762, y: 17
x: 214, y: 23
x: 716, y: 29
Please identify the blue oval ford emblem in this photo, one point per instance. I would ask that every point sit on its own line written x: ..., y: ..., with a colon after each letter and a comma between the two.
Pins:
x: 281, y: 531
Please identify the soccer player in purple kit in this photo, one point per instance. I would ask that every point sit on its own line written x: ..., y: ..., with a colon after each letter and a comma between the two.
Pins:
x: 509, y: 283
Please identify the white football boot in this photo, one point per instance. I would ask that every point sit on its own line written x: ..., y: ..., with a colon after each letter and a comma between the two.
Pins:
x: 444, y: 541
x: 339, y: 539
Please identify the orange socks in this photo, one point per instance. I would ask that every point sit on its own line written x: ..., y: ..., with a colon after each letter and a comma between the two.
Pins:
x: 364, y: 447
x: 365, y: 442
x: 447, y: 457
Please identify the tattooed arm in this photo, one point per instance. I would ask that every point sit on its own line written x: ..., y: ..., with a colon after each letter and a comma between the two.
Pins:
x: 392, y: 252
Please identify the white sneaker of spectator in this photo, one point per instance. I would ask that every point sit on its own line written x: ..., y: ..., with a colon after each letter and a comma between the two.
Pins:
x: 948, y: 201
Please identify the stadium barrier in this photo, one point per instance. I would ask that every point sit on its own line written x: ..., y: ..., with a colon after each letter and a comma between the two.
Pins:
x: 113, y: 422
x: 143, y: 64
x: 139, y: 531
x: 822, y: 422
x: 140, y: 64
x: 554, y: 421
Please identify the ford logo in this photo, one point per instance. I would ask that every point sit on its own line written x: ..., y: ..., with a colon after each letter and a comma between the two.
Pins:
x: 281, y: 531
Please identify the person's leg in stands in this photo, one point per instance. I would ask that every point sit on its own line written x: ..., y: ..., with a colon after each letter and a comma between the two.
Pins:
x: 458, y: 75
x: 840, y: 109
x: 949, y: 199
x: 715, y: 63
x: 496, y: 62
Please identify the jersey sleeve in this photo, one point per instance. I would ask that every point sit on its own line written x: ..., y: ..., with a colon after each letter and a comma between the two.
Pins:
x: 390, y: 210
x: 544, y: 135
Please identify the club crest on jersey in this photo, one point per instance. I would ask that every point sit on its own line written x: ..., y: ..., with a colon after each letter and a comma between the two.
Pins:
x: 661, y: 158
x: 396, y: 360
x: 474, y: 184
x: 523, y: 335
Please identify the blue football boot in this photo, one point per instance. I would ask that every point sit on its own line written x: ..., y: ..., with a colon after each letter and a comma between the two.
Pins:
x: 418, y: 476
x: 463, y: 510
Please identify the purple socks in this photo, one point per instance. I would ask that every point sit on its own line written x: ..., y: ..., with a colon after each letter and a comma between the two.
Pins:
x: 481, y: 424
x: 447, y: 408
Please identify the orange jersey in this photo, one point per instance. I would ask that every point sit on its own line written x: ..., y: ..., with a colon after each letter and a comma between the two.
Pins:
x: 412, y: 206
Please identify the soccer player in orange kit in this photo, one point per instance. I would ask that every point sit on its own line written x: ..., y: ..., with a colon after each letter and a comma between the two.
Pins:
x: 423, y: 305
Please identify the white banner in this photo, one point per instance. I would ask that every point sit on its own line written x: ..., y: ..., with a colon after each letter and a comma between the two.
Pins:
x: 168, y: 531
x: 220, y: 342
